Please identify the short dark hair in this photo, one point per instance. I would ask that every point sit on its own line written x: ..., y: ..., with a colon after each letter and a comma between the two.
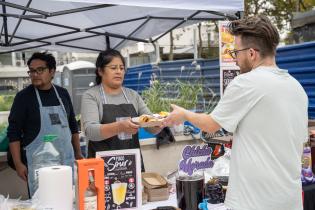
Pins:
x: 104, y: 58
x: 256, y: 32
x: 47, y: 57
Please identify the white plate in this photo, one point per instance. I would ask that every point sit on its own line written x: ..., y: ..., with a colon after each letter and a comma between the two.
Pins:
x: 147, y: 124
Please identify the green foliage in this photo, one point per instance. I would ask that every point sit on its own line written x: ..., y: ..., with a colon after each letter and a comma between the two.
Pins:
x: 160, y: 96
x: 6, y: 102
x: 187, y: 94
x: 155, y: 99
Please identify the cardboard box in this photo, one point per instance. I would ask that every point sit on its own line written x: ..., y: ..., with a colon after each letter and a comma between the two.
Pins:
x: 155, y: 186
x: 157, y: 194
x: 83, y: 166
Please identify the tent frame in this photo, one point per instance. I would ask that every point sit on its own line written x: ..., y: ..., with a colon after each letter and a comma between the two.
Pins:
x: 40, y: 14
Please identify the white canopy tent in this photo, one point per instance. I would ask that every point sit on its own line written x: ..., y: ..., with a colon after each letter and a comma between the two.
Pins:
x: 94, y: 25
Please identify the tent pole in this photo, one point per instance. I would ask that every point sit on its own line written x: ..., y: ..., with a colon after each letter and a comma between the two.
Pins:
x: 181, y: 18
x: 27, y: 39
x: 52, y: 24
x: 134, y: 31
x: 22, y: 16
x: 81, y: 48
x: 107, y: 42
x: 82, y: 9
x: 16, y: 6
x: 45, y: 37
x: 5, y: 25
x: 116, y: 23
x: 178, y: 24
x: 120, y: 36
x: 19, y: 21
x: 75, y: 39
x: 26, y: 48
x: 230, y: 17
x: 1, y: 33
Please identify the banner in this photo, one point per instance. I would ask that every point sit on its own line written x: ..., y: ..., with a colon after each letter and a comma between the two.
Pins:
x: 228, y: 67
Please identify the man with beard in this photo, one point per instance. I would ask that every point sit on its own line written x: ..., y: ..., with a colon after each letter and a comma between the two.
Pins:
x: 266, y: 109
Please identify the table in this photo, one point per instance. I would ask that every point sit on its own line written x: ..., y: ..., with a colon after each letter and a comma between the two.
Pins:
x: 172, y: 202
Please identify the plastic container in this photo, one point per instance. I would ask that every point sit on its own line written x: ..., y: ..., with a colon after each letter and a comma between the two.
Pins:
x: 45, y: 155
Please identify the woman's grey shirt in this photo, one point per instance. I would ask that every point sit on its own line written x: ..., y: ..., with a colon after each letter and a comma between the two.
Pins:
x: 92, y: 109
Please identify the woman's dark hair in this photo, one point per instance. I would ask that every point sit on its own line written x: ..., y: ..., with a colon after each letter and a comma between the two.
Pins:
x: 47, y: 57
x: 104, y: 58
x: 256, y: 32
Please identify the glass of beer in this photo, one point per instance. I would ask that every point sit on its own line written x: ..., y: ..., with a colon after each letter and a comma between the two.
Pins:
x: 119, y: 190
x: 189, y: 191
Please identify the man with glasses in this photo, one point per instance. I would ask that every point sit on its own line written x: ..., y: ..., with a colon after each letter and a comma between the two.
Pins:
x: 41, y: 108
x: 266, y: 109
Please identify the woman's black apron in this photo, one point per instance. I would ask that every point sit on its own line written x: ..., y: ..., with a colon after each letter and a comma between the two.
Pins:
x: 110, y: 113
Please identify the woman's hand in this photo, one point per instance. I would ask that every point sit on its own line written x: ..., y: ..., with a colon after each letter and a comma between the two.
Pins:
x: 127, y: 126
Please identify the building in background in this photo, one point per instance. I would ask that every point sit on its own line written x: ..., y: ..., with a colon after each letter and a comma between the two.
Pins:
x: 183, y: 45
x: 303, y: 26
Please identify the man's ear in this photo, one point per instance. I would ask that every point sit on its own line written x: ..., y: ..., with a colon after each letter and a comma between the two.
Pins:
x: 252, y: 53
x: 52, y: 71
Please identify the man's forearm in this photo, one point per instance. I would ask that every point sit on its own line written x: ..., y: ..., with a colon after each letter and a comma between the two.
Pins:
x: 16, y: 152
x: 202, y: 121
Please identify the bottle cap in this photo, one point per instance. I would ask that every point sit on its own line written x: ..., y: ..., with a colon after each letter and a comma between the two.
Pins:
x: 50, y: 138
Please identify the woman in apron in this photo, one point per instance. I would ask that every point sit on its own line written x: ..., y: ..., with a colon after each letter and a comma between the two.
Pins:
x: 107, y: 108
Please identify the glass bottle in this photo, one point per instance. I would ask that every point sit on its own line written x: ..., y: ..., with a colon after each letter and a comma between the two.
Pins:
x: 90, y: 194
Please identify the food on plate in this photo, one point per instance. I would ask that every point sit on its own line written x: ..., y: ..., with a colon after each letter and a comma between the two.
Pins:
x: 145, y: 118
x: 152, y: 118
x: 163, y: 114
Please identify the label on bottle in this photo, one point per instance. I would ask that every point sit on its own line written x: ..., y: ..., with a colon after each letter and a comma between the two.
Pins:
x: 36, y: 174
x: 90, y: 203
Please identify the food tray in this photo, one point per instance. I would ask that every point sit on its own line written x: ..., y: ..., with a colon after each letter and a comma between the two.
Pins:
x: 153, y: 180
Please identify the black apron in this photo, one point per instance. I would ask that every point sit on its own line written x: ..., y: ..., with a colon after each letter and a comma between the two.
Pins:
x: 110, y: 113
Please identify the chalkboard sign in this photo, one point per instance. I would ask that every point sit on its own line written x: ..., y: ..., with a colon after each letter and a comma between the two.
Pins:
x: 122, y: 179
x: 228, y: 76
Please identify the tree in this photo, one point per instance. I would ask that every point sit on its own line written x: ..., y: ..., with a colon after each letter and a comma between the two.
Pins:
x: 200, y: 40
x: 279, y: 11
x: 171, y: 54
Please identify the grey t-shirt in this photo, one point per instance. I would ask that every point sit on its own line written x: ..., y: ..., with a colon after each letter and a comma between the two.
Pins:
x: 92, y: 109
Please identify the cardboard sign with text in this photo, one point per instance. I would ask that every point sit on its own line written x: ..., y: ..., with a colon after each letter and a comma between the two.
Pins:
x: 122, y: 178
x: 195, y: 159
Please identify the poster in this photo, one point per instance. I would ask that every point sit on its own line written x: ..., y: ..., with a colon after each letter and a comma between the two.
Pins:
x: 228, y: 67
x: 227, y: 76
x: 122, y: 179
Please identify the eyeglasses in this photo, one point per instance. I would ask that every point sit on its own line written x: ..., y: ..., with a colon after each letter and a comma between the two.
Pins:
x: 233, y: 53
x: 38, y: 70
x: 116, y: 68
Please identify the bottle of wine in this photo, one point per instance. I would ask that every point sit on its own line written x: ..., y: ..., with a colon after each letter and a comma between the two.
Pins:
x: 90, y: 195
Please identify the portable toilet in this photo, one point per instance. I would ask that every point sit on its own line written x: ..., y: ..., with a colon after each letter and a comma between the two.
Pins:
x: 77, y: 77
